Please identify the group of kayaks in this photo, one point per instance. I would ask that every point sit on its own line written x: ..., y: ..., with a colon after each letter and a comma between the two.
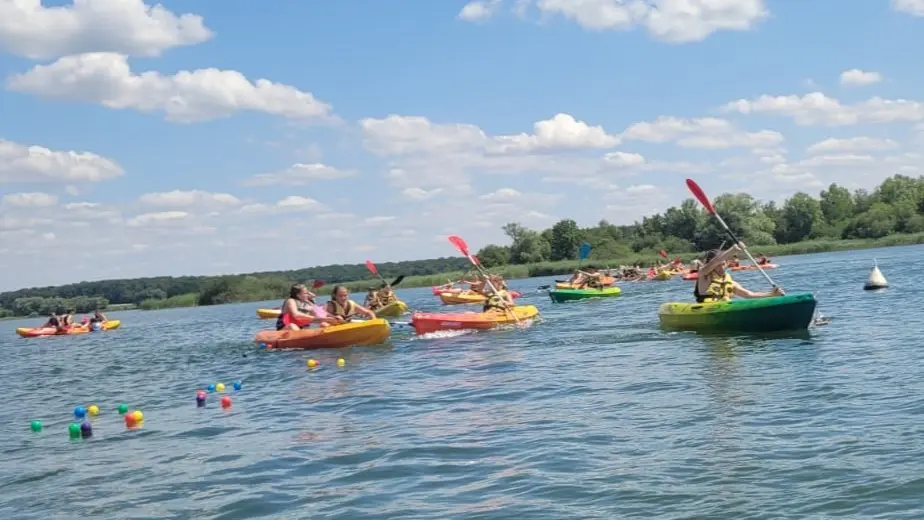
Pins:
x: 789, y: 312
x: 80, y: 328
x: 371, y: 332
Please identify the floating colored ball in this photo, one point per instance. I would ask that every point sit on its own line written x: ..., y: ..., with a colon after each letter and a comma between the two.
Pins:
x: 86, y: 429
x: 312, y: 363
x: 341, y: 362
x: 138, y: 415
x: 237, y: 385
x: 73, y: 430
x: 226, y: 401
x: 211, y: 388
x: 80, y: 412
x: 220, y: 387
x: 123, y: 408
x: 36, y: 426
x: 130, y: 421
x: 93, y: 409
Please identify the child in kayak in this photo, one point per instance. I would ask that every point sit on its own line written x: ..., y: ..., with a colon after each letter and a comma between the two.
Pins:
x: 298, y: 310
x: 500, y: 301
x: 714, y: 283
x: 372, y: 300
x: 341, y: 308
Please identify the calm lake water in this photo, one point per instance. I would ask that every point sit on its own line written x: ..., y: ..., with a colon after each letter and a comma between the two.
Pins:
x: 591, y: 413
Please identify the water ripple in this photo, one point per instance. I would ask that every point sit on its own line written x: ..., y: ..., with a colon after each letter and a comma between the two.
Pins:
x: 591, y: 412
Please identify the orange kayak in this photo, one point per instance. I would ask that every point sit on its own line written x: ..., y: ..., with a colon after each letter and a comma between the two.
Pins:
x: 425, y: 322
x: 73, y: 330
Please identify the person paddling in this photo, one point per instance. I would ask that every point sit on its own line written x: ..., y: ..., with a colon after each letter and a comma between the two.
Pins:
x: 715, y: 284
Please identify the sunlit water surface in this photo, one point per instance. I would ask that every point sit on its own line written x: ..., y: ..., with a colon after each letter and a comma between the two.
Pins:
x: 592, y: 412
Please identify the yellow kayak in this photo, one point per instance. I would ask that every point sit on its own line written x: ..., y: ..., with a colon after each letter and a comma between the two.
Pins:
x: 268, y: 314
x: 370, y: 332
x: 392, y: 310
x: 664, y: 275
x: 462, y: 298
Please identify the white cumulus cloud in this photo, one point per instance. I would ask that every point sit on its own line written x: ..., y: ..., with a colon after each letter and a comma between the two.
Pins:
x: 188, y: 199
x: 672, y: 21
x: 185, y: 97
x: 818, y: 109
x: 32, y: 30
x: 912, y: 7
x: 298, y: 175
x: 478, y: 10
x: 851, y: 145
x: 29, y: 200
x: 22, y: 163
x: 858, y: 77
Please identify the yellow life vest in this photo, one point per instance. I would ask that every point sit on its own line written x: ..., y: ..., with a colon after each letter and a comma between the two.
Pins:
x: 338, y: 310
x: 719, y: 289
x: 495, y: 301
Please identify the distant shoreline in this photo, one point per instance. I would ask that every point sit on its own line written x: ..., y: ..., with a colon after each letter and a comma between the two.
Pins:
x: 521, y: 271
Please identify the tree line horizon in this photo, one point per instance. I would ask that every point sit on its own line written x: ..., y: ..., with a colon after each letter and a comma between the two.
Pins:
x: 896, y: 206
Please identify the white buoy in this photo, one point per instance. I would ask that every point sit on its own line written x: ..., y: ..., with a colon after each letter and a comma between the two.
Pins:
x: 875, y: 280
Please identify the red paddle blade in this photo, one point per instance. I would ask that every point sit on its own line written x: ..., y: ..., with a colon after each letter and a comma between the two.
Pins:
x: 698, y: 193
x: 663, y: 253
x: 459, y: 243
x: 317, y: 284
x: 477, y: 261
x: 371, y: 267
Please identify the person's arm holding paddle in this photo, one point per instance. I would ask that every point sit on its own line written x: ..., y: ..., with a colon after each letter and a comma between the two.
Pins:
x: 744, y: 293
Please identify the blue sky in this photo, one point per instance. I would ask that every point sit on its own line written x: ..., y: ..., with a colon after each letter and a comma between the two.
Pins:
x: 207, y: 137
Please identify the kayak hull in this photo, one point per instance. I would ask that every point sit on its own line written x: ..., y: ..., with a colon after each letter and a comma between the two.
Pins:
x: 663, y: 275
x: 392, y: 310
x: 568, y: 295
x: 73, y: 331
x: 370, y: 332
x: 268, y: 314
x: 778, y: 313
x: 425, y: 322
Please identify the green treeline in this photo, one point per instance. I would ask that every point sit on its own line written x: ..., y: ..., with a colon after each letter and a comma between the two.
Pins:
x: 895, y: 206
x: 801, y: 224
x: 183, y: 291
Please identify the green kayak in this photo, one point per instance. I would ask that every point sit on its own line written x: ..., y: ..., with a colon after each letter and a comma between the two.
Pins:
x: 778, y: 313
x: 567, y: 295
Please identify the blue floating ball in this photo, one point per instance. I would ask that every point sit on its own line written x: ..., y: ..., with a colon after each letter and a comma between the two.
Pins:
x: 262, y: 345
x: 211, y: 388
x: 80, y: 412
x: 237, y: 385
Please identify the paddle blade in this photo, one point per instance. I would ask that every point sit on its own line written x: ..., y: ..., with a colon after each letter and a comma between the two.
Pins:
x: 663, y: 253
x: 397, y: 280
x: 320, y: 311
x: 460, y: 244
x: 700, y: 195
x: 317, y: 284
x: 371, y: 267
x: 476, y: 260
x: 584, y: 252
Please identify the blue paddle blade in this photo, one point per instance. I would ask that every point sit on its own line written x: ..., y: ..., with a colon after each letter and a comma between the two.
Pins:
x: 584, y: 251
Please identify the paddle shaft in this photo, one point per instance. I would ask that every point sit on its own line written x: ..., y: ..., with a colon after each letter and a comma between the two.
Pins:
x: 487, y: 280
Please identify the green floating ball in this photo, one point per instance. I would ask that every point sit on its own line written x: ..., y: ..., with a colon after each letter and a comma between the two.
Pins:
x: 36, y: 426
x: 123, y: 408
x: 74, y: 430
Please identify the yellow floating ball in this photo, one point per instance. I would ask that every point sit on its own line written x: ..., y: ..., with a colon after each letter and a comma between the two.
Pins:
x: 138, y: 415
x: 341, y: 362
x: 93, y: 409
x: 220, y: 387
x: 312, y: 363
